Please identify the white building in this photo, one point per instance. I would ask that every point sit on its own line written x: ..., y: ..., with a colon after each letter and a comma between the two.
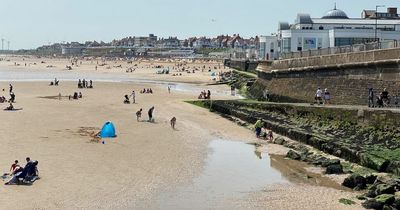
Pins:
x: 335, y: 28
x: 268, y: 49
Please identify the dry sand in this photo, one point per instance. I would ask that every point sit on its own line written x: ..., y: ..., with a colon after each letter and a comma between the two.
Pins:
x: 144, y: 161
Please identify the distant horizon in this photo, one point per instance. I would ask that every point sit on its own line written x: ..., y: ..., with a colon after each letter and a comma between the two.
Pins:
x: 42, y: 22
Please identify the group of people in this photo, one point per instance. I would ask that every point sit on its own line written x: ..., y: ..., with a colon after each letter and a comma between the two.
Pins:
x: 85, y: 84
x: 151, y: 119
x: 24, y: 175
x: 133, y: 95
x: 383, y: 100
x: 150, y: 114
x: 11, y: 100
x: 262, y: 132
x: 205, y: 94
x: 322, y: 97
x: 148, y: 90
x: 76, y: 96
x: 55, y: 83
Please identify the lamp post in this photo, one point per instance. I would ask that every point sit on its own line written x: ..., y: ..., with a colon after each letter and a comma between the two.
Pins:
x: 376, y: 21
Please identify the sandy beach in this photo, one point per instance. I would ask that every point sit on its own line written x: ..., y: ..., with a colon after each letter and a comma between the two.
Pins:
x: 147, y: 163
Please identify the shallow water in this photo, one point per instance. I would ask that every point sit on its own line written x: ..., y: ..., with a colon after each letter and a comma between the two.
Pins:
x: 232, y: 170
x: 63, y: 75
x: 235, y: 169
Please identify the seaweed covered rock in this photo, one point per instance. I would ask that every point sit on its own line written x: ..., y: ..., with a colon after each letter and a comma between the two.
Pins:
x: 385, y: 199
x: 384, y: 189
x: 355, y: 180
x: 374, y: 162
x: 371, y: 178
x: 334, y: 169
x: 320, y: 160
x: 279, y: 140
x: 373, y: 204
x: 293, y: 155
x: 329, y: 162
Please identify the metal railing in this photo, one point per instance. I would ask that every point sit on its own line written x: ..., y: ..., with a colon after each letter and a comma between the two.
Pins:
x: 342, y: 49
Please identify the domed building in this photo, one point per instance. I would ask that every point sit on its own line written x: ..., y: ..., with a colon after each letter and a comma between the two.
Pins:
x: 335, y: 14
x: 335, y: 28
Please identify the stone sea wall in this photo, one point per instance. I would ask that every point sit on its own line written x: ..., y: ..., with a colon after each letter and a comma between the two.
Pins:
x: 337, y: 59
x: 348, y: 84
x: 242, y: 65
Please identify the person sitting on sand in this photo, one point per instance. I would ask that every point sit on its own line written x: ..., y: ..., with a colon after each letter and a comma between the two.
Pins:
x: 28, y: 171
x: 150, y: 113
x: 10, y: 107
x: 14, y: 166
x: 75, y: 96
x: 139, y: 114
x: 3, y: 99
x: 173, y: 122
x: 126, y: 101
x: 80, y: 95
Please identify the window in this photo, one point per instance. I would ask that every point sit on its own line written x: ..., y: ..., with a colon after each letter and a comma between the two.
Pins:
x: 287, y: 44
x: 352, y: 41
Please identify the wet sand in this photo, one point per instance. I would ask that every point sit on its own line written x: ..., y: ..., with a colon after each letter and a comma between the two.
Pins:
x: 145, y: 162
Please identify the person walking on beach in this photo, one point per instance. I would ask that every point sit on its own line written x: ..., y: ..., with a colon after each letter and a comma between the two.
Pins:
x: 150, y: 113
x: 139, y: 114
x: 173, y: 122
x: 11, y: 88
x: 169, y: 89
x: 133, y: 97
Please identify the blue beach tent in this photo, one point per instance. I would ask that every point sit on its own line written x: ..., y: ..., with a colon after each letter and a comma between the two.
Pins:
x: 108, y: 130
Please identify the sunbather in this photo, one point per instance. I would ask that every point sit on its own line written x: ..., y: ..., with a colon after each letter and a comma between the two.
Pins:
x: 28, y: 174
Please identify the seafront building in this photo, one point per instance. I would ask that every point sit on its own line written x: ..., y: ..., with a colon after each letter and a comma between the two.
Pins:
x: 335, y: 28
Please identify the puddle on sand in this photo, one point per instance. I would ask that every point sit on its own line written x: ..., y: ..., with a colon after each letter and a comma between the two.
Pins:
x: 232, y: 170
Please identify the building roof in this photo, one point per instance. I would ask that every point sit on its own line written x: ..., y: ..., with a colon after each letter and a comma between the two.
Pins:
x: 303, y: 19
x: 356, y: 21
x: 335, y: 14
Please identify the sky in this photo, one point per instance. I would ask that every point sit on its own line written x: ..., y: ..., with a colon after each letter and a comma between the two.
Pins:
x: 28, y: 24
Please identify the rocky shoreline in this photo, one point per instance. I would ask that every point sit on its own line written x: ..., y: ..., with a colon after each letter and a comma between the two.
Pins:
x: 362, y: 138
